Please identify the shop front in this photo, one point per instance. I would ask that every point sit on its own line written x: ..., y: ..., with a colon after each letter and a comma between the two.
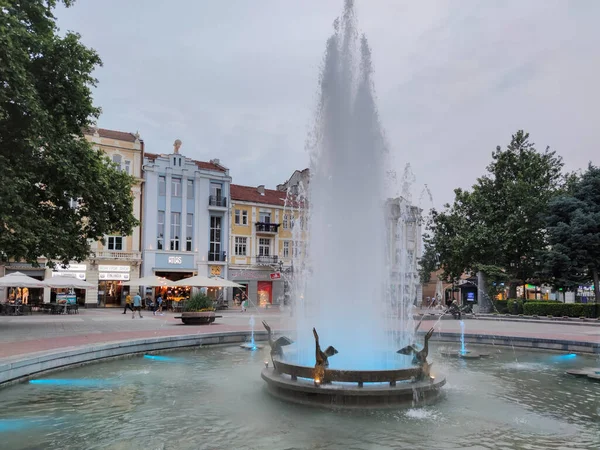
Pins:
x: 260, y: 289
x: 111, y: 290
x: 173, y: 268
x: 25, y: 295
x: 72, y: 296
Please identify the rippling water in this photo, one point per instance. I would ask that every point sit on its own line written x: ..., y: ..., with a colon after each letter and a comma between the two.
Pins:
x: 213, y: 398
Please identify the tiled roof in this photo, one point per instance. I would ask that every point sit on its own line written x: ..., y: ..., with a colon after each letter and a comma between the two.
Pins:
x: 251, y: 194
x: 113, y: 134
x: 200, y: 164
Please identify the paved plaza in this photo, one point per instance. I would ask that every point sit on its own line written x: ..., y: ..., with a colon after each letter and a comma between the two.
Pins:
x: 23, y: 335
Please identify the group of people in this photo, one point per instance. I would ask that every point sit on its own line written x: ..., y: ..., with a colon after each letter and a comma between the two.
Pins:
x: 135, y: 304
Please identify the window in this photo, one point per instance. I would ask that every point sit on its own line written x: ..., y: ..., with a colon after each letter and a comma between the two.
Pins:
x: 214, y: 252
x: 240, y: 246
x: 190, y: 188
x: 264, y: 217
x: 241, y: 217
x: 160, y: 232
x: 189, y: 230
x: 244, y: 217
x: 175, y: 230
x: 286, y: 249
x: 285, y: 221
x: 117, y: 160
x: 127, y: 167
x: 264, y: 246
x: 216, y: 190
x: 175, y: 187
x: 297, y: 249
x: 162, y: 186
x: 115, y: 243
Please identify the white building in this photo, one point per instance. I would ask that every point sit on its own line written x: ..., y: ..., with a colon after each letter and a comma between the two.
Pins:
x: 185, y: 216
x: 405, y: 248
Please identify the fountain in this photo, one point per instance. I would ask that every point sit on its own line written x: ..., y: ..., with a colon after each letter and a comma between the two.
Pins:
x: 342, y: 283
x: 463, y: 353
x: 252, y: 345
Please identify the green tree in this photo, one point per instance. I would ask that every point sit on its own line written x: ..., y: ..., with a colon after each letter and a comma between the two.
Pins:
x: 573, y: 226
x: 45, y: 161
x: 498, y: 227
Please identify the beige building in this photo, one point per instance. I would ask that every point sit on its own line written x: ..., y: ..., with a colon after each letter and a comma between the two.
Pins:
x: 262, y: 244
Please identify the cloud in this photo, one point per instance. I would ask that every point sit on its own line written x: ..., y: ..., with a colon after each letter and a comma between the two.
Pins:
x: 237, y: 80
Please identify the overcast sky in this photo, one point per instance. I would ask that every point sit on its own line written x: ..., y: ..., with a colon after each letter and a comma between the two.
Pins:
x: 237, y: 79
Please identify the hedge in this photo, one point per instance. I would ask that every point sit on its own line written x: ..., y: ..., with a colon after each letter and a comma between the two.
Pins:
x: 506, y: 306
x: 561, y: 309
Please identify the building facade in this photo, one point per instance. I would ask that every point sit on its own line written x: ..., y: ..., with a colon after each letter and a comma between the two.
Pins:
x: 186, y: 216
x: 118, y: 260
x: 404, y: 247
x: 262, y: 243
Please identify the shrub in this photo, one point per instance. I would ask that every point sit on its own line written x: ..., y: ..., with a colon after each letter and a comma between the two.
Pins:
x: 198, y: 302
x: 501, y: 306
x: 558, y: 309
x: 511, y: 305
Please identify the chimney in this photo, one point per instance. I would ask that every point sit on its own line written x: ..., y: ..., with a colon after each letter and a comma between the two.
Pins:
x: 216, y: 162
x: 261, y: 189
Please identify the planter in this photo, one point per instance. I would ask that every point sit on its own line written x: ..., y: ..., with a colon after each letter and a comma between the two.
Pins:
x: 198, y: 318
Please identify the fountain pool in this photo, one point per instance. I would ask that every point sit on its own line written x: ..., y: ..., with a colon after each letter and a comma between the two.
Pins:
x: 211, y: 398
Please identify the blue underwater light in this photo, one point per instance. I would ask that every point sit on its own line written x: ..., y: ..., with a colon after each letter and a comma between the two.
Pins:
x: 161, y: 358
x: 566, y: 357
x: 70, y: 382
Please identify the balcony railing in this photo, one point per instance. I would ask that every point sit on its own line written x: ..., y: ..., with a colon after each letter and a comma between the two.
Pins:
x: 266, y: 227
x: 135, y: 256
x: 216, y: 200
x: 217, y: 256
x: 262, y: 259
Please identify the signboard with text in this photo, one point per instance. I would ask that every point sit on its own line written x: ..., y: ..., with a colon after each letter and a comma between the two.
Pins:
x: 275, y: 275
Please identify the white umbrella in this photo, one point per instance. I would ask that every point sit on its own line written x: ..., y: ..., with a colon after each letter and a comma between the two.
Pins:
x: 202, y: 281
x: 149, y: 281
x: 19, y: 279
x: 67, y: 282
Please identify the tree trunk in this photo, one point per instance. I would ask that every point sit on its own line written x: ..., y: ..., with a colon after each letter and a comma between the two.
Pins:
x: 483, y: 298
x: 524, y: 290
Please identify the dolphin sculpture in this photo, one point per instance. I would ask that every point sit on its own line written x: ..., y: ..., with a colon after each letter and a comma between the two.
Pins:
x: 276, y: 345
x: 322, y: 360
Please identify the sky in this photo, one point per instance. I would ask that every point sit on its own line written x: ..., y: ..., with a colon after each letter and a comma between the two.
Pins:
x: 237, y: 80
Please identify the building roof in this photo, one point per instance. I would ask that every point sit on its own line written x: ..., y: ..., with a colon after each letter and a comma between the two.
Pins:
x: 252, y: 194
x: 200, y: 164
x: 113, y: 134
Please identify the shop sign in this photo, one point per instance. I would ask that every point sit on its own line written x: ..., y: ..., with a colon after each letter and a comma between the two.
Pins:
x: 171, y: 261
x: 104, y: 268
x: 174, y: 260
x: 78, y: 275
x: 275, y: 275
x: 215, y: 271
x: 25, y: 266
x: 106, y: 276
x: 71, y: 268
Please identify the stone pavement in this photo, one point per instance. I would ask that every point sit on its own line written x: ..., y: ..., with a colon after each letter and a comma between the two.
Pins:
x: 39, y: 333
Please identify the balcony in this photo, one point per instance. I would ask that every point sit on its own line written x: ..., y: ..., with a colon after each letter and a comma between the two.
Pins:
x: 118, y: 255
x: 267, y: 260
x: 216, y: 201
x: 217, y: 256
x: 266, y: 227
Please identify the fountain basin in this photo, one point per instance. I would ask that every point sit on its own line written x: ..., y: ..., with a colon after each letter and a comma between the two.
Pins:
x: 350, y: 388
x: 251, y: 346
x: 590, y: 373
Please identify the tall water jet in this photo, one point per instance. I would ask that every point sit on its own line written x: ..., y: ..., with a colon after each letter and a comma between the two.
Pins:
x: 343, y: 286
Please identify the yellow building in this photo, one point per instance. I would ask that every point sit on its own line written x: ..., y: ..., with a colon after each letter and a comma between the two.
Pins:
x: 118, y: 259
x: 262, y: 243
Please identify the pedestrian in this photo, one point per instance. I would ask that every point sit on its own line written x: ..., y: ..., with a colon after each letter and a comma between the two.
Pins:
x: 127, y: 303
x: 137, y: 305
x: 158, y: 305
x: 244, y: 302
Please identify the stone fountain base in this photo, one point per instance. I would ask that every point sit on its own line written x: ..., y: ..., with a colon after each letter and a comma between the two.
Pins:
x: 347, y: 395
x: 250, y: 346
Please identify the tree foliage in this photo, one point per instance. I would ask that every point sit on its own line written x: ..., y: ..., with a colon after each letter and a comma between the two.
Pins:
x: 45, y: 104
x: 573, y: 225
x: 498, y: 227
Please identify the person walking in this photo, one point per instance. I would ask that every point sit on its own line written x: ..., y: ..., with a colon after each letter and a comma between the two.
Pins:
x: 158, y: 305
x: 137, y: 306
x: 127, y: 303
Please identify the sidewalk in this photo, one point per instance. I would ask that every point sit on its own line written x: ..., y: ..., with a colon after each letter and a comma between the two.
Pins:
x: 38, y: 333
